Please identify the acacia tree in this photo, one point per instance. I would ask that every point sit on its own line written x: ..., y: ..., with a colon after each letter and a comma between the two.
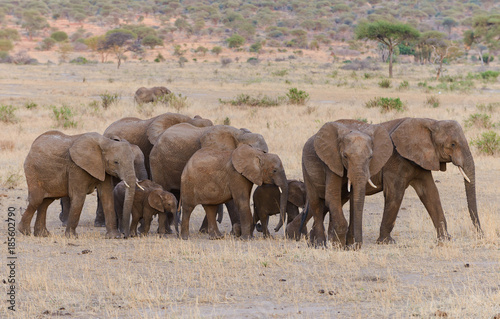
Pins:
x: 33, y: 22
x: 387, y: 33
x: 440, y: 47
x: 119, y: 41
x: 485, y: 32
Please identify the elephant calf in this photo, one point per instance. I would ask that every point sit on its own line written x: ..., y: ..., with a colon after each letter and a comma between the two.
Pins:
x: 145, y: 95
x: 266, y: 202
x: 148, y: 201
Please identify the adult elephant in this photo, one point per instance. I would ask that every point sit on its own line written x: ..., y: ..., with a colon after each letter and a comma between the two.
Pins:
x: 341, y: 153
x: 176, y: 145
x: 145, y: 133
x: 421, y: 146
x: 61, y: 165
x: 216, y: 175
x: 150, y: 95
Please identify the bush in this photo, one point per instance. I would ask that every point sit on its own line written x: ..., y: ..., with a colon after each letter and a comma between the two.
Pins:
x: 177, y: 102
x: 488, y: 143
x: 245, y: 99
x: 384, y: 83
x: 489, y: 75
x: 226, y: 61
x: 81, y: 60
x: 182, y: 60
x: 479, y: 120
x: 6, y: 45
x: 280, y: 72
x: 30, y: 105
x: 253, y: 61
x: 159, y: 58
x: 63, y: 116
x: 357, y: 65
x: 297, y: 97
x: 404, y: 85
x: 490, y: 107
x: 216, y: 50
x: 109, y: 98
x: 235, y: 41
x: 59, y: 36
x: 432, y: 101
x: 386, y: 104
x: 7, y: 114
x: 47, y: 44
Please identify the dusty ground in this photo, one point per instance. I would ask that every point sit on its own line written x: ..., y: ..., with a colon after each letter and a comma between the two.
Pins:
x: 91, y: 277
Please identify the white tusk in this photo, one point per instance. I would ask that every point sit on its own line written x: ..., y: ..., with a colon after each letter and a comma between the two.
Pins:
x: 281, y: 192
x: 128, y: 186
x: 142, y: 188
x: 349, y: 185
x: 371, y: 183
x: 463, y: 174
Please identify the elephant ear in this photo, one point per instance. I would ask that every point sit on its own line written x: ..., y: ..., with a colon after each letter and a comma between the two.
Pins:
x: 154, y: 200
x: 161, y: 123
x: 382, y: 149
x: 413, y: 140
x: 296, y: 194
x: 246, y: 160
x: 326, y: 145
x: 221, y: 136
x: 86, y: 152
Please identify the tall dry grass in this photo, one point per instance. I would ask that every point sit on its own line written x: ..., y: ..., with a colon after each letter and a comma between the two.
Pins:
x: 165, y: 277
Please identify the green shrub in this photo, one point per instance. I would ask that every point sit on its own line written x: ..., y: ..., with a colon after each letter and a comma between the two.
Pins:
x: 260, y: 100
x: 108, y: 98
x: 404, y: 85
x: 432, y: 101
x: 30, y: 105
x: 6, y: 45
x: 227, y: 121
x: 280, y: 72
x: 59, y: 36
x: 159, y: 58
x: 253, y: 61
x: 368, y: 75
x: 384, y: 83
x: 177, y: 102
x: 488, y: 143
x: 297, y: 96
x: 479, y: 120
x: 490, y: 75
x: 386, y: 104
x: 64, y: 116
x: 48, y: 43
x: 7, y: 114
x: 182, y: 60
x: 490, y: 107
x: 82, y: 60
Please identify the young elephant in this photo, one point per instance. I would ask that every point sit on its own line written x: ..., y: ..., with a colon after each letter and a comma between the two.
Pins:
x: 213, y: 176
x: 266, y: 202
x: 145, y: 95
x: 148, y: 201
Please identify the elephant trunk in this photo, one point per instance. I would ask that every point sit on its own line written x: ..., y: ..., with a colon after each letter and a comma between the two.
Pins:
x: 283, y: 185
x: 357, y: 202
x: 127, y: 204
x: 470, y: 191
x: 141, y: 172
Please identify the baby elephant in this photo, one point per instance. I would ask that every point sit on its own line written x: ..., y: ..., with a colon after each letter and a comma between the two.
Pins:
x: 149, y: 201
x: 145, y: 95
x: 266, y: 199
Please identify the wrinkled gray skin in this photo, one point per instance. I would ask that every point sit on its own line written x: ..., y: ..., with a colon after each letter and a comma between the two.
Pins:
x: 266, y: 202
x: 60, y: 165
x: 177, y: 144
x: 421, y: 146
x: 216, y: 175
x: 150, y: 201
x: 141, y: 174
x: 150, y: 95
x: 342, y: 151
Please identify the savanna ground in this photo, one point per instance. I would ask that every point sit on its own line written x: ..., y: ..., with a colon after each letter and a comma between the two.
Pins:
x: 91, y: 277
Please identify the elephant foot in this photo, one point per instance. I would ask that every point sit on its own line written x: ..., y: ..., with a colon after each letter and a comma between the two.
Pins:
x: 203, y: 229
x: 268, y: 236
x: 236, y: 231
x: 168, y: 230
x: 215, y: 236
x: 41, y: 232
x: 388, y: 240
x: 114, y: 234
x: 354, y: 246
x: 184, y: 236
x: 317, y: 241
x: 24, y: 230
x: 70, y: 233
x: 258, y: 227
x: 293, y: 233
x: 98, y: 223
x: 247, y: 237
x: 443, y: 239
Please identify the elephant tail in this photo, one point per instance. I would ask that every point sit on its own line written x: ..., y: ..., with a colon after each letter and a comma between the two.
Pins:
x: 177, y: 217
x: 304, y: 217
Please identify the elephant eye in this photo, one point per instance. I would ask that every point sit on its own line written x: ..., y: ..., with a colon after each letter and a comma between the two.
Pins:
x: 275, y: 170
x: 344, y: 155
x: 116, y: 162
x: 452, y: 144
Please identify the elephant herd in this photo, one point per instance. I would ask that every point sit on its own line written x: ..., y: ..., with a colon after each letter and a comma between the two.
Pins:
x: 171, y: 163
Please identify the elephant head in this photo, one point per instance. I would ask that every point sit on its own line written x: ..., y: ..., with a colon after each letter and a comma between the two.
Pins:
x: 262, y: 168
x: 225, y: 136
x: 431, y: 144
x: 296, y: 196
x: 98, y: 156
x: 360, y: 150
x: 162, y: 122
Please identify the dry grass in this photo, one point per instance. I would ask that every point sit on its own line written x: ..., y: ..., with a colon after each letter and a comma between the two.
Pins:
x: 166, y: 277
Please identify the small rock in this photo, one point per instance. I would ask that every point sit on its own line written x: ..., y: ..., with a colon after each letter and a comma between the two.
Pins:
x: 86, y: 251
x: 112, y: 257
x: 497, y: 316
x: 331, y: 293
x: 321, y: 291
x: 441, y: 314
x: 282, y: 279
x: 466, y: 265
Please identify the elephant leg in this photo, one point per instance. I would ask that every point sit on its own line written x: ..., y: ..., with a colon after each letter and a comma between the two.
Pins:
x: 65, y: 206
x: 234, y: 216
x: 213, y: 230
x: 265, y: 229
x: 133, y: 225
x: 204, y: 226
x: 105, y: 189
x: 25, y: 223
x: 429, y: 195
x: 74, y: 214
x: 147, y: 219
x: 162, y: 220
x: 337, y: 226
x: 41, y: 218
x: 186, y: 215
x: 99, y: 220
x: 393, y: 196
x: 168, y: 221
x: 220, y: 213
